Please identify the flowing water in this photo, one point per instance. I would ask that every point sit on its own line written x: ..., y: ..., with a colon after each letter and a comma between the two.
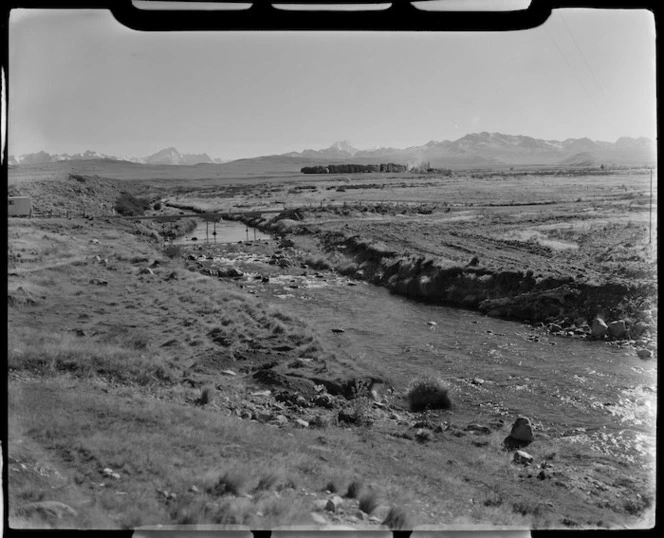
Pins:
x: 587, y: 392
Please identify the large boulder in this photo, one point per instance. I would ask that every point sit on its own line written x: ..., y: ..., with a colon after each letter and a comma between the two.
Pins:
x: 598, y: 329
x: 522, y: 430
x: 617, y: 329
x: 644, y: 354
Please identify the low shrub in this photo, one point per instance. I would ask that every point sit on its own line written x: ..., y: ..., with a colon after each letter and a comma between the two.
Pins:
x: 369, y: 502
x: 129, y: 205
x: 267, y: 482
x: 354, y: 489
x: 397, y: 519
x: 428, y: 393
x: 232, y: 482
x: 207, y: 395
x: 332, y: 486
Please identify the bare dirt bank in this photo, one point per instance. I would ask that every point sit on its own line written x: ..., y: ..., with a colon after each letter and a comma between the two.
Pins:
x: 565, y: 301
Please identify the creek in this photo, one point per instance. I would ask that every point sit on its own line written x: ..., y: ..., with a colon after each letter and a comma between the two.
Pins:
x: 588, y: 392
x: 226, y: 232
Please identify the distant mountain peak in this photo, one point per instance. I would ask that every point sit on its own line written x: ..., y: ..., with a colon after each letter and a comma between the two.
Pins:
x: 344, y: 145
x: 471, y: 150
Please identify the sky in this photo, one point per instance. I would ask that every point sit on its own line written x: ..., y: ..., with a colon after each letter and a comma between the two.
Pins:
x: 80, y: 80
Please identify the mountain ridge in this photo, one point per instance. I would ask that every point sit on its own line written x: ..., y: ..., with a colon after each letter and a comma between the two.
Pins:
x: 473, y: 149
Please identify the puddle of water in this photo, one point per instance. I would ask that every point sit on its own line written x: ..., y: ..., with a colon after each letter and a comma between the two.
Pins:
x: 226, y: 232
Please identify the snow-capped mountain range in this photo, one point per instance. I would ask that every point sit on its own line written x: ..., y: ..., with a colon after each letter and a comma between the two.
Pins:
x: 165, y: 156
x: 498, y: 148
x: 476, y: 149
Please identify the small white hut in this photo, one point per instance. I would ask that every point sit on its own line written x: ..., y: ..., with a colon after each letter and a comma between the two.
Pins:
x: 19, y: 206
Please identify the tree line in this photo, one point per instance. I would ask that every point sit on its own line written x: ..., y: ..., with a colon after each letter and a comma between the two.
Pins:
x: 354, y: 168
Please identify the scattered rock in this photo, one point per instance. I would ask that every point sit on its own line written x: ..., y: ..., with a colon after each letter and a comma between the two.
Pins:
x: 301, y: 422
x: 617, y: 329
x: 640, y: 328
x: 478, y: 428
x: 423, y: 435
x: 598, y: 329
x: 543, y: 475
x: 431, y: 323
x: 116, y: 476
x: 229, y: 272
x: 107, y: 471
x: 319, y: 421
x: 99, y: 282
x: 522, y: 458
x: 318, y: 518
x: 280, y: 420
x: 334, y: 503
x: 228, y: 372
x: 425, y: 423
x: 522, y: 430
x: 644, y: 354
x: 146, y: 271
x: 194, y: 489
x: 477, y: 381
x: 323, y: 400
x: 380, y: 513
x: 320, y: 504
x: 338, y: 330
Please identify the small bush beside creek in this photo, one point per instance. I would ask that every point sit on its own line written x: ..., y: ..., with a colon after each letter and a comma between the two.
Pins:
x: 428, y: 393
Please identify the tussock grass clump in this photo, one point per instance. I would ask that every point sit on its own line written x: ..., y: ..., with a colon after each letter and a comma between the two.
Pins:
x: 318, y: 263
x: 267, y: 482
x: 369, y: 502
x: 428, y: 393
x: 207, y: 395
x: 398, y: 519
x: 332, y: 486
x: 232, y: 481
x: 528, y: 508
x: 354, y: 489
x: 358, y: 413
x: 189, y: 511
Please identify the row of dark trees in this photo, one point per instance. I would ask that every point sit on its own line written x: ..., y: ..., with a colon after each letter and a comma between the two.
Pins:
x: 353, y: 168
